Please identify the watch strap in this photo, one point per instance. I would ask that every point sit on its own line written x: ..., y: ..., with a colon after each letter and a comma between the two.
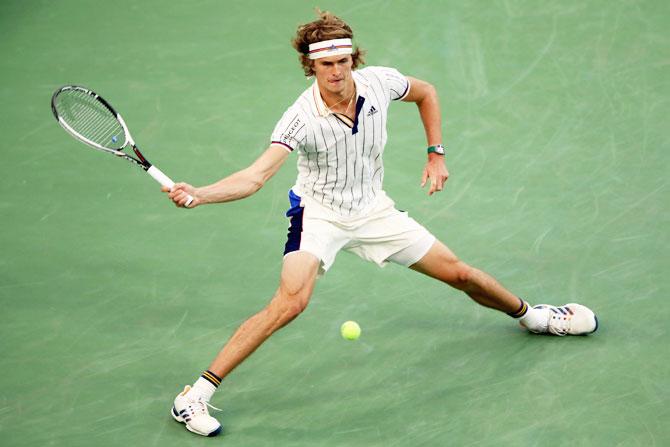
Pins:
x: 438, y: 149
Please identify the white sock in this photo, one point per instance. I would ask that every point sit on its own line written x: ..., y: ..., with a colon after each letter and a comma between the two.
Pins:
x: 535, y: 320
x: 205, y: 386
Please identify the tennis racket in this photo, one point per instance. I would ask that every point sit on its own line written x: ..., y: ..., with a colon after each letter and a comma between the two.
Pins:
x: 90, y: 119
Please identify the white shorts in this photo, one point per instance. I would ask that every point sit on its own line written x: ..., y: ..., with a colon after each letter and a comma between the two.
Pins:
x: 381, y: 235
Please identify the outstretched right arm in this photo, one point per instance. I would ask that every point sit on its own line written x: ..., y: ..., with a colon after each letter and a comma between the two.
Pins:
x: 236, y: 186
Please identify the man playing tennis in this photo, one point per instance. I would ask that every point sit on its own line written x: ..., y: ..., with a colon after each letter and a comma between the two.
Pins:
x: 338, y: 129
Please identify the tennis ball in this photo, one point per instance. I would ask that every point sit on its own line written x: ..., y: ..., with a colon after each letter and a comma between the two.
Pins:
x: 350, y: 330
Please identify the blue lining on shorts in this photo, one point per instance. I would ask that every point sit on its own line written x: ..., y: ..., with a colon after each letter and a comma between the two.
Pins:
x: 294, y: 213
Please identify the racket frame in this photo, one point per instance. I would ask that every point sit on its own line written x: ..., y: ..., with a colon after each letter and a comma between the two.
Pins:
x: 141, y: 160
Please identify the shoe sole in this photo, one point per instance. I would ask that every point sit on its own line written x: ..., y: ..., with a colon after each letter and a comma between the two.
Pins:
x: 181, y: 420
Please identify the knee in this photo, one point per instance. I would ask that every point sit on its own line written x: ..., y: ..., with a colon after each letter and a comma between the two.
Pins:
x: 287, y: 305
x: 459, y: 275
x: 293, y: 306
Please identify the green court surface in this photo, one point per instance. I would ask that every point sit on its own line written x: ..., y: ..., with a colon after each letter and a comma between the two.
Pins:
x: 556, y: 116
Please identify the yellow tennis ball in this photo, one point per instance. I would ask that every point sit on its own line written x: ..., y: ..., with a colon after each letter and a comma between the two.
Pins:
x: 350, y: 330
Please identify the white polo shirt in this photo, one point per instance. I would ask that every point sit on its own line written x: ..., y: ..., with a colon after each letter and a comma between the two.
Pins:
x: 339, y: 162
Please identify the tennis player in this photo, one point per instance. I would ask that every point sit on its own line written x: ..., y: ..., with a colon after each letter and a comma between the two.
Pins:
x: 337, y: 127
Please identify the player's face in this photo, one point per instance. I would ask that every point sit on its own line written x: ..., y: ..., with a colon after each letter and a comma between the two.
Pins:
x: 333, y: 73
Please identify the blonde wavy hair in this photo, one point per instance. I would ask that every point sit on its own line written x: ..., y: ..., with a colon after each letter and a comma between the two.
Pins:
x: 328, y: 26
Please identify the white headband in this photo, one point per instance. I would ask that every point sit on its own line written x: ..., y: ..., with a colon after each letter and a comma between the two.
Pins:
x: 327, y: 48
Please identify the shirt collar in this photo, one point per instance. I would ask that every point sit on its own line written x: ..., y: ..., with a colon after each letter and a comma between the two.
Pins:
x: 319, y: 107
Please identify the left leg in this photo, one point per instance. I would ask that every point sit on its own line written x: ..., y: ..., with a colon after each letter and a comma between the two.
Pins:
x: 379, y: 238
x: 570, y: 319
x: 441, y: 263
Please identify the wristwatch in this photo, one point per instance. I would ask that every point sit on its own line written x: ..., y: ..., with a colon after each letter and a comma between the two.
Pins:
x: 439, y: 149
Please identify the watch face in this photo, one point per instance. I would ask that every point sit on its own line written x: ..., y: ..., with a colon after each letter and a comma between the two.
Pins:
x: 438, y: 149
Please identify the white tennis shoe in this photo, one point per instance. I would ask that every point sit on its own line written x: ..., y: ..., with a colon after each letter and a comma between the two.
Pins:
x: 568, y: 319
x: 193, y: 412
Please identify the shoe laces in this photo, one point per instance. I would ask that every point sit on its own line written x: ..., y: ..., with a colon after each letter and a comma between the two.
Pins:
x: 559, y: 320
x: 199, y: 405
x: 211, y: 406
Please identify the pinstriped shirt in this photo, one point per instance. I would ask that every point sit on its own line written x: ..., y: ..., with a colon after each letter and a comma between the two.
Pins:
x: 340, y: 162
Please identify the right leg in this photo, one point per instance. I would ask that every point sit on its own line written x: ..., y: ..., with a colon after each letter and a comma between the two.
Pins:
x: 297, y: 281
x: 298, y: 277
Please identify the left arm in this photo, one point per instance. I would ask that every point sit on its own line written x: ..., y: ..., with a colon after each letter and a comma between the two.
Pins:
x: 425, y: 96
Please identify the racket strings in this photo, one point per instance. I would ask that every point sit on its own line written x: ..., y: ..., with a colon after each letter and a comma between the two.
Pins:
x: 97, y: 123
x: 103, y: 129
x: 91, y: 119
x: 94, y: 119
x: 98, y: 127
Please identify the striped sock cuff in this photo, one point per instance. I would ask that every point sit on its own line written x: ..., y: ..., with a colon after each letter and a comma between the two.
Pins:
x: 521, y: 311
x: 211, y: 378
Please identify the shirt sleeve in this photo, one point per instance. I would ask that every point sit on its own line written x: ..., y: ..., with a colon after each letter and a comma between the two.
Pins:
x: 290, y: 131
x: 397, y: 84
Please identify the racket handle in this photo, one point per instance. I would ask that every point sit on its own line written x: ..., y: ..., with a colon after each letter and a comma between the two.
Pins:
x: 164, y: 180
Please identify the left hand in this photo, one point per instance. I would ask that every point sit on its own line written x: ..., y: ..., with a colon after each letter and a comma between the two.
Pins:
x: 436, y: 171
